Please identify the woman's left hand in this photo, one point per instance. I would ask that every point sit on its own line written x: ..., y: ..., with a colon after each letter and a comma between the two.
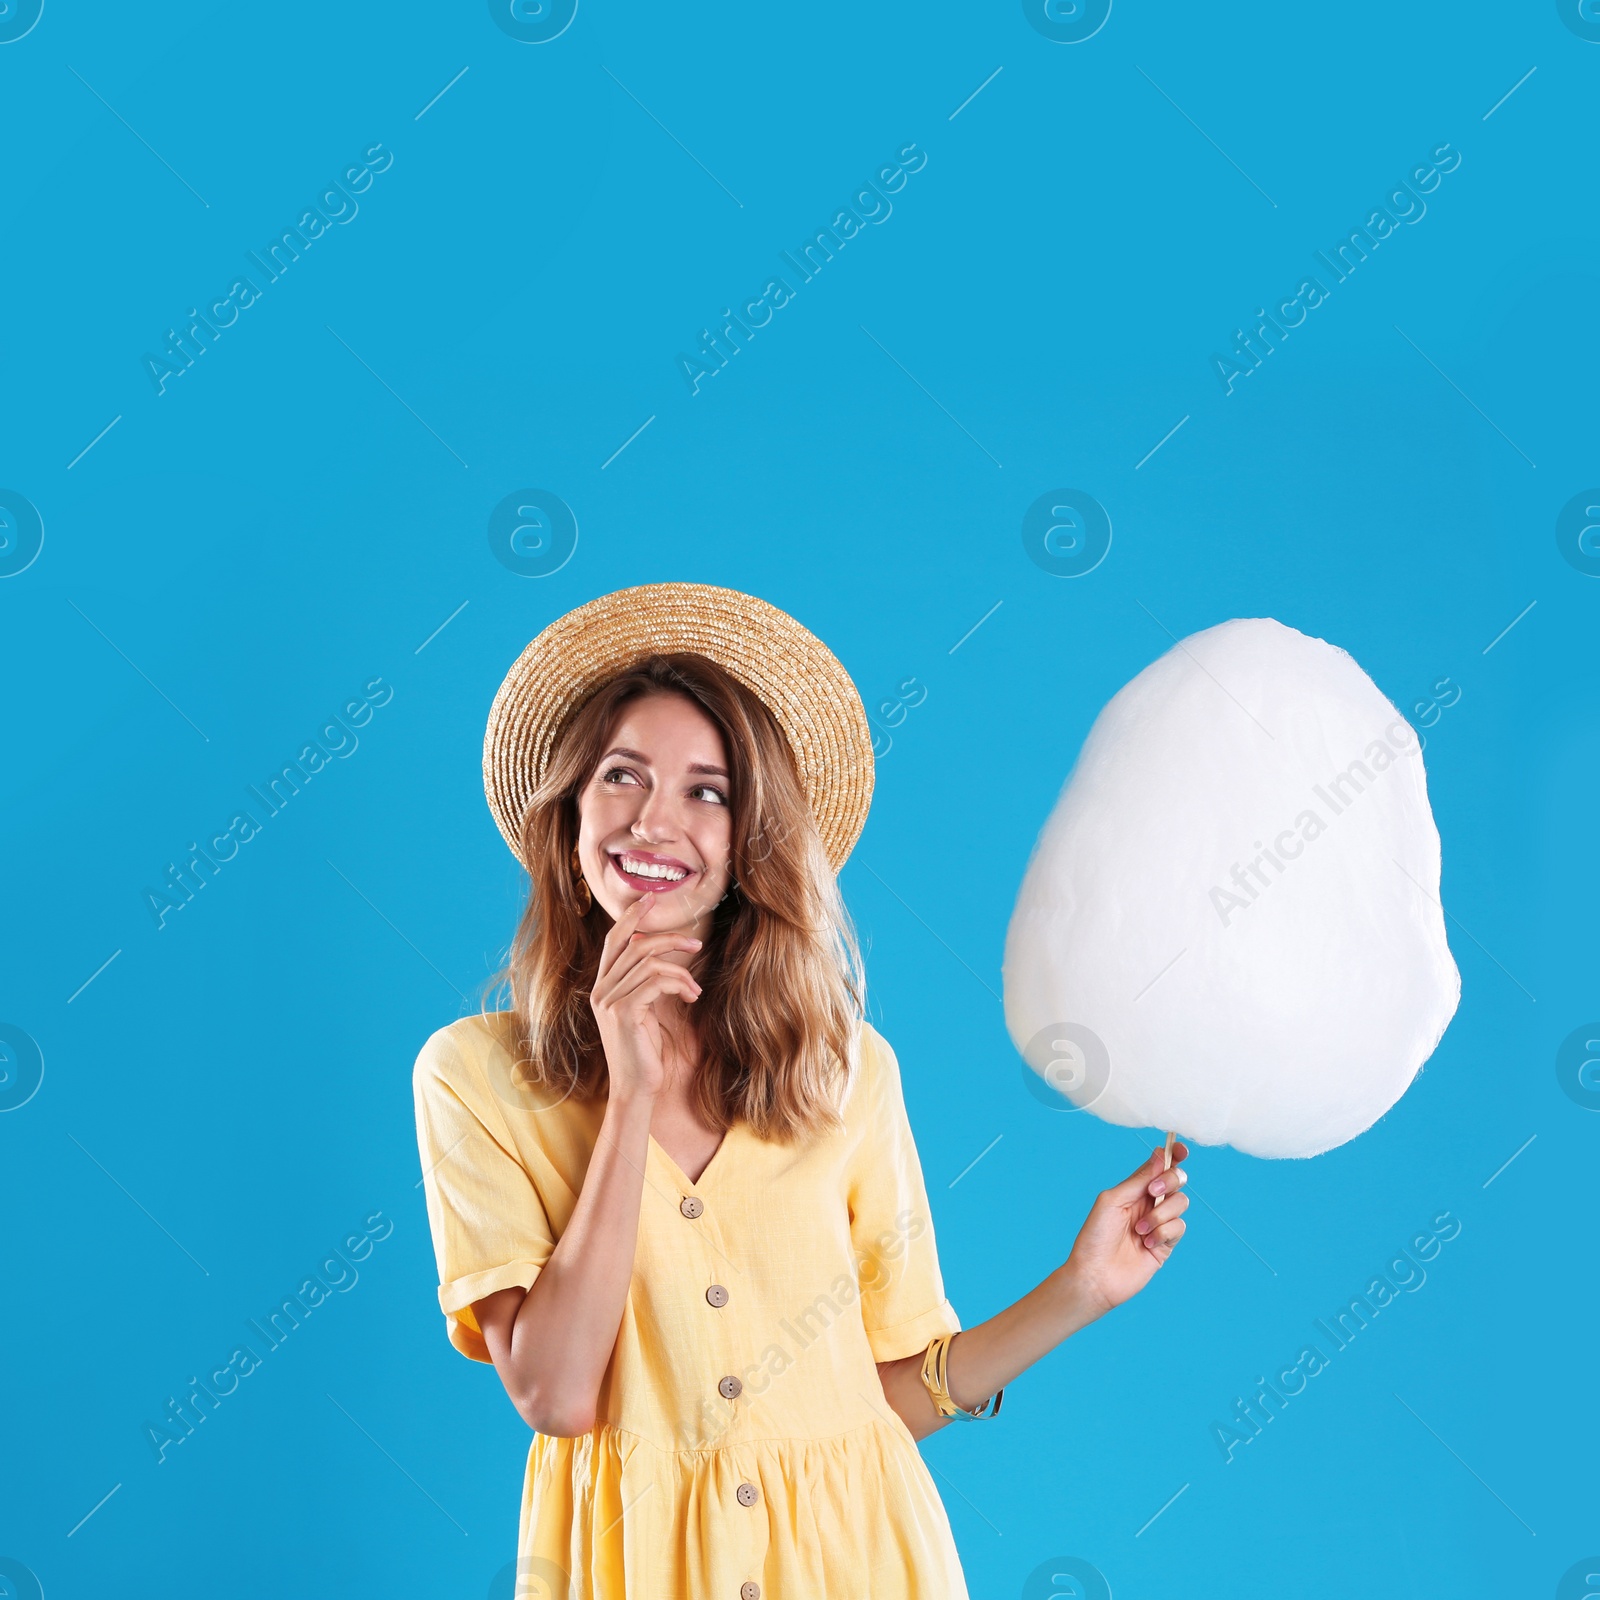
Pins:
x: 1131, y: 1230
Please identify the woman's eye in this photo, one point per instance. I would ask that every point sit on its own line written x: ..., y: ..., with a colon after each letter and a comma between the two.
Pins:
x: 706, y: 791
x: 618, y: 775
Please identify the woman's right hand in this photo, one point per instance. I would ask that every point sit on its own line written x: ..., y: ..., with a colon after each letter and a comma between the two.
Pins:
x: 636, y: 970
x: 551, y: 1344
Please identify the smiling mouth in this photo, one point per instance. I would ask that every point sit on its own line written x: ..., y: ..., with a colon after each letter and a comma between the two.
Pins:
x: 652, y: 874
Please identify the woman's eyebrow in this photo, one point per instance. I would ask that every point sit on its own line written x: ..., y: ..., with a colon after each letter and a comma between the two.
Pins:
x: 643, y: 759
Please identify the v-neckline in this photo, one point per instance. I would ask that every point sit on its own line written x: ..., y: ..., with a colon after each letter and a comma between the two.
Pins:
x: 705, y: 1172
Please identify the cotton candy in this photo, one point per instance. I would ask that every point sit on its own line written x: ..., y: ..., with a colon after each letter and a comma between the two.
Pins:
x: 1230, y: 925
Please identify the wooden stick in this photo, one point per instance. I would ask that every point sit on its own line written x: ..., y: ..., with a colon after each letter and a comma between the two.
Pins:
x: 1166, y: 1161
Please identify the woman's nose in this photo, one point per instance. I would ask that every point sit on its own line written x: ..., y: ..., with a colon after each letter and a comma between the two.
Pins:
x: 656, y: 821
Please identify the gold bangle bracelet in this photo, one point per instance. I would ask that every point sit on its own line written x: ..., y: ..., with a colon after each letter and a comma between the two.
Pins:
x: 936, y: 1382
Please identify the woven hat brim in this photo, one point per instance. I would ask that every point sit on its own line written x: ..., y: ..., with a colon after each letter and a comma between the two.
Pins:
x: 794, y: 674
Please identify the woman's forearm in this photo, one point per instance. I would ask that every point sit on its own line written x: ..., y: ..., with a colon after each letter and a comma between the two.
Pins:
x: 986, y: 1357
x: 1129, y: 1232
x: 561, y: 1338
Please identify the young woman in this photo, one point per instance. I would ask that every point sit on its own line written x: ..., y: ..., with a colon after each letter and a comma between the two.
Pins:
x: 673, y: 1190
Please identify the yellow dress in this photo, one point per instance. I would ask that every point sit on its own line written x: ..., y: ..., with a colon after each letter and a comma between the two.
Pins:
x: 744, y: 1448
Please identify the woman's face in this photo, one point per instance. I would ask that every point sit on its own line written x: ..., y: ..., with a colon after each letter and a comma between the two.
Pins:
x: 654, y: 816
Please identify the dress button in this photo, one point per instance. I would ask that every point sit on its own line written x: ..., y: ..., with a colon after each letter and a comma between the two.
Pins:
x: 747, y: 1494
x: 749, y: 1591
x: 729, y: 1388
x: 691, y: 1205
x: 717, y: 1295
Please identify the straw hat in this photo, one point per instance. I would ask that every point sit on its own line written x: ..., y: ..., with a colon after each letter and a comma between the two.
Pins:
x: 795, y: 675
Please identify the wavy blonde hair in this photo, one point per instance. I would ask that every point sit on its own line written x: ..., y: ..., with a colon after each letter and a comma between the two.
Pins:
x: 781, y: 976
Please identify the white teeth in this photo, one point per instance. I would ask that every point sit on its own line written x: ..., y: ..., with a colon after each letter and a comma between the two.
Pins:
x: 650, y: 869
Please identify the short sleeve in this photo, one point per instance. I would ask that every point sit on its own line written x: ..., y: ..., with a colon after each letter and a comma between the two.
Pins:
x: 490, y: 1228
x: 903, y: 1303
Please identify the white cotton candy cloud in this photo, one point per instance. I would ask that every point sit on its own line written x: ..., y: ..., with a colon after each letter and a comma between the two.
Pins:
x: 1231, y: 923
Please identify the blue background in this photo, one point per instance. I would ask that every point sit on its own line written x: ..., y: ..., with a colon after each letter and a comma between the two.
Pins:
x: 303, y: 508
